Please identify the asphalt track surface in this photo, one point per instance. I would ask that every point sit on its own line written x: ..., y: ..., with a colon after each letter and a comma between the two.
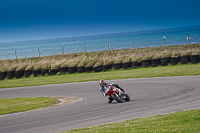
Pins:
x: 149, y: 97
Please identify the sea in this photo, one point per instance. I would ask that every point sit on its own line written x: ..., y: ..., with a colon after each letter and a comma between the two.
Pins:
x: 117, y: 41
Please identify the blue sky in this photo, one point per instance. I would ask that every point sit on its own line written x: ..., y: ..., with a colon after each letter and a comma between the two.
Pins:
x: 41, y: 19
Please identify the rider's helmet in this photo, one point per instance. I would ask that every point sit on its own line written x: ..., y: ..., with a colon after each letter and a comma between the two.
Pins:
x: 102, y: 83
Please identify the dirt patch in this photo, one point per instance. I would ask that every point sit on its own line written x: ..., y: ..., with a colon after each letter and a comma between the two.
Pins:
x: 67, y: 100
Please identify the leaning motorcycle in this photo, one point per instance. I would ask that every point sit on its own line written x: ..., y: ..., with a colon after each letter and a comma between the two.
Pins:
x: 116, y: 94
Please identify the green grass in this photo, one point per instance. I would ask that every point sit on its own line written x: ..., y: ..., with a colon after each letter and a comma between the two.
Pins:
x: 161, y: 71
x: 101, y: 57
x: 179, y: 122
x: 13, y: 105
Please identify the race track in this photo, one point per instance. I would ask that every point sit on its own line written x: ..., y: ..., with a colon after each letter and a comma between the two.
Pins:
x: 149, y: 97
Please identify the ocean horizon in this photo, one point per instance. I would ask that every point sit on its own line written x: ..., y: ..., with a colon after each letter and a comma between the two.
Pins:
x: 149, y: 38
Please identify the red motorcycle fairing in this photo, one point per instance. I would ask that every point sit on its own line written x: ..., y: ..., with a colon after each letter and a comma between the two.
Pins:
x: 112, y: 90
x: 116, y: 94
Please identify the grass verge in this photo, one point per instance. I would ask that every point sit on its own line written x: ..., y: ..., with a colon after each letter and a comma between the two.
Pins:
x: 177, y: 70
x: 179, y: 122
x: 13, y: 105
x: 186, y: 121
x: 97, y: 58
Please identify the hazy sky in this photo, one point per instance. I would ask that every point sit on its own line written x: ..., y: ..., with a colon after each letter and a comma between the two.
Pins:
x: 41, y: 19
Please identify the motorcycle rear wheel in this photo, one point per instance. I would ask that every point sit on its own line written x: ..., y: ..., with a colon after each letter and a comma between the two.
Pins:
x: 117, y: 98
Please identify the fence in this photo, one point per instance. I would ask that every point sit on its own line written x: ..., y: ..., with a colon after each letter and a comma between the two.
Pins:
x: 100, y: 45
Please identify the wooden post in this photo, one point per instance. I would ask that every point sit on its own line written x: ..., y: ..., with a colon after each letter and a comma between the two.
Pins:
x: 38, y: 52
x: 188, y: 37
x: 15, y: 54
x: 62, y: 50
x: 163, y: 41
x: 133, y: 44
x: 84, y: 49
x: 108, y: 46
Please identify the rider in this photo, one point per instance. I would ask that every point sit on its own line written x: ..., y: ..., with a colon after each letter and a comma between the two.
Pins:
x: 103, y: 84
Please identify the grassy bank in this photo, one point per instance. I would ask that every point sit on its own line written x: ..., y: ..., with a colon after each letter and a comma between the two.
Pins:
x: 160, y: 71
x: 98, y: 58
x: 179, y: 122
x: 13, y: 105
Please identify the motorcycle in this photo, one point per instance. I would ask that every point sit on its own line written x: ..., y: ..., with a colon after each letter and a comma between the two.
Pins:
x: 116, y: 94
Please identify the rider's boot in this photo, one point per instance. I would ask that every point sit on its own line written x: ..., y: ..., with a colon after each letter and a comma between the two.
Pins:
x: 110, y: 100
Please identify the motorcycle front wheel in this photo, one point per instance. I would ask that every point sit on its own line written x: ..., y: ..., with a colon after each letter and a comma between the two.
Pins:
x: 116, y: 97
x: 127, y: 98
